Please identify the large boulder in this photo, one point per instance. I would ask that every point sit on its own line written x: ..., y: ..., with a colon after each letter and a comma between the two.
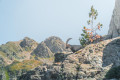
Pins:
x: 114, y: 28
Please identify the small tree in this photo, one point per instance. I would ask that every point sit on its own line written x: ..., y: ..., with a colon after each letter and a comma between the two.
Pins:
x: 85, y: 37
x: 90, y: 35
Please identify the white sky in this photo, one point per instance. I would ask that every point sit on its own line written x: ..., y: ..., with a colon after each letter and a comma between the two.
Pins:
x: 40, y: 19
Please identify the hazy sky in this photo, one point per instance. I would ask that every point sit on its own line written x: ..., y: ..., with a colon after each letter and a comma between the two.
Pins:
x: 40, y: 19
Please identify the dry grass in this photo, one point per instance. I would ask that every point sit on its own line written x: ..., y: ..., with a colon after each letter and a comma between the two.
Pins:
x: 26, y: 65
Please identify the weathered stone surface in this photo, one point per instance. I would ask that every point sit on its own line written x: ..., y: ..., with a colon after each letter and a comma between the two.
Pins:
x: 85, y: 65
x: 49, y: 47
x: 56, y: 45
x: 28, y: 49
x: 114, y: 28
x: 41, y: 73
x: 42, y: 51
x: 90, y: 63
x: 28, y: 44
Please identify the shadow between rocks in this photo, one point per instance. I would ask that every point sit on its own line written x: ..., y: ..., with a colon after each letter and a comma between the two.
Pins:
x: 60, y: 57
x: 111, y: 59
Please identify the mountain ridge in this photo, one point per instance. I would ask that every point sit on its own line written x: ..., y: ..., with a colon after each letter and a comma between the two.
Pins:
x: 17, y: 53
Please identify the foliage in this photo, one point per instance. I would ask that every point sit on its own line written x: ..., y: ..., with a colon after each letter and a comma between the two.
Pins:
x: 6, y: 74
x: 9, y: 50
x: 9, y: 47
x: 90, y: 35
x: 2, y: 54
x: 85, y: 37
x: 113, y: 73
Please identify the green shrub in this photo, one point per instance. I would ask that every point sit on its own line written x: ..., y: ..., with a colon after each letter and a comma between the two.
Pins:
x: 89, y: 35
x: 6, y: 75
x: 85, y: 37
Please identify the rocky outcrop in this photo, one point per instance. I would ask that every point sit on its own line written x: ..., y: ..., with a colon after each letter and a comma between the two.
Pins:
x: 49, y: 47
x: 114, y: 28
x: 42, y: 51
x: 19, y: 50
x: 55, y: 44
x: 18, y: 57
x: 12, y: 52
x: 42, y: 73
x: 90, y: 63
x: 28, y: 44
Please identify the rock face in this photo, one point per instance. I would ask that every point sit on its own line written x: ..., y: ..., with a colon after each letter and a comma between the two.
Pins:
x: 28, y: 44
x: 12, y: 52
x: 19, y: 50
x: 90, y: 63
x: 21, y: 56
x: 114, y: 28
x: 55, y: 44
x: 49, y: 47
x: 42, y: 51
